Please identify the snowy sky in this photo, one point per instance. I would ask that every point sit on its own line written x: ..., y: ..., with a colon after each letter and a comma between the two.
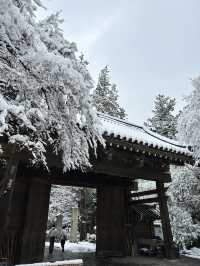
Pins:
x: 152, y: 46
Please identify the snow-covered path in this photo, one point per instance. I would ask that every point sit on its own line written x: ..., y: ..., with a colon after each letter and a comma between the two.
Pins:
x: 81, y: 250
x: 192, y: 253
x: 80, y: 247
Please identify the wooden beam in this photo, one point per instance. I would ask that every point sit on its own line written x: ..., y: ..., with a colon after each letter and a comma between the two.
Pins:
x: 92, y: 182
x: 145, y: 173
x: 169, y: 156
x: 122, y: 163
x: 145, y: 193
x: 143, y: 201
x: 74, y: 178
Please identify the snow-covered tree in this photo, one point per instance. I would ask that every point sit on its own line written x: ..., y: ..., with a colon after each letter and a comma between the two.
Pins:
x: 189, y: 122
x: 87, y: 208
x: 185, y: 231
x: 163, y: 120
x: 184, y: 190
x: 184, y: 203
x: 62, y: 199
x: 44, y: 89
x: 106, y: 96
x: 185, y: 187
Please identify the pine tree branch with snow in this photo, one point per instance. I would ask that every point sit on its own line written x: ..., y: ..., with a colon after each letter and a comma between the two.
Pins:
x: 184, y: 203
x: 189, y: 122
x: 44, y: 88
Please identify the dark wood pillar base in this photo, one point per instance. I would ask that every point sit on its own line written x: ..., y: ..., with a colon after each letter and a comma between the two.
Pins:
x: 111, y: 222
x: 173, y: 253
x: 11, y: 235
x: 170, y: 249
x: 34, y: 234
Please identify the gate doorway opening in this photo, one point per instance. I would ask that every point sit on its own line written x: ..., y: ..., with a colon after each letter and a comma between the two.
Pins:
x: 72, y: 210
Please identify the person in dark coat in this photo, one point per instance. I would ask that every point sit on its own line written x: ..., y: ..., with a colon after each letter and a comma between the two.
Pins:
x: 63, y: 238
x: 53, y: 232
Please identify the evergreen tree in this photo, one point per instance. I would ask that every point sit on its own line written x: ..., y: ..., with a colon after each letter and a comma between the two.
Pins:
x: 113, y: 107
x: 106, y: 96
x: 163, y: 121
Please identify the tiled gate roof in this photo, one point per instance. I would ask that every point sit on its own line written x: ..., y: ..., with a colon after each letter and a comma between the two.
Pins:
x: 134, y: 133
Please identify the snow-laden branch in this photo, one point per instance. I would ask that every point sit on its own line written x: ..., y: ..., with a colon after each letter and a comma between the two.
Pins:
x: 44, y: 89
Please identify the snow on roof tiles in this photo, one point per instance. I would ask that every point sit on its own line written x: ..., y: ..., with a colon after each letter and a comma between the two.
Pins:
x: 140, y: 134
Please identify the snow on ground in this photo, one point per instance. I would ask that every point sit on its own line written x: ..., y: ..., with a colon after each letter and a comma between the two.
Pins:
x: 192, y: 253
x: 56, y: 263
x: 80, y: 247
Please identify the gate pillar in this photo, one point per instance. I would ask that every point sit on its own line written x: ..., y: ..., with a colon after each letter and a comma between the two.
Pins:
x: 170, y: 251
x: 34, y: 233
x: 112, y: 206
x: 14, y: 221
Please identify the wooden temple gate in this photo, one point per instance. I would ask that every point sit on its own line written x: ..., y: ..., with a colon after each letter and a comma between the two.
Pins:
x: 25, y: 191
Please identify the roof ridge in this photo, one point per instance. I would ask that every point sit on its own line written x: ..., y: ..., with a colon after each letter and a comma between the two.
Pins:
x: 164, y: 139
x: 112, y: 118
x: 145, y: 129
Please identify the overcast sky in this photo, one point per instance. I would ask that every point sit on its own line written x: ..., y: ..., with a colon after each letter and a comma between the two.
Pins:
x: 152, y: 46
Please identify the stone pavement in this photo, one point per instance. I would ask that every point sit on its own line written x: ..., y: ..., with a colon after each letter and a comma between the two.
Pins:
x: 90, y: 260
